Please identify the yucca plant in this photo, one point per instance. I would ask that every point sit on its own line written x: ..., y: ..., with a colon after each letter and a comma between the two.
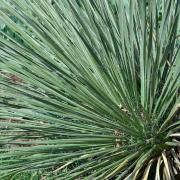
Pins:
x: 98, y: 92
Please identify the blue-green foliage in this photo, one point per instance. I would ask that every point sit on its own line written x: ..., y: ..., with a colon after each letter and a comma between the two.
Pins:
x: 9, y: 32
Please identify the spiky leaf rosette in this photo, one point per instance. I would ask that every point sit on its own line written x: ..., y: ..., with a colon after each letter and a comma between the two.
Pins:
x: 97, y: 90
